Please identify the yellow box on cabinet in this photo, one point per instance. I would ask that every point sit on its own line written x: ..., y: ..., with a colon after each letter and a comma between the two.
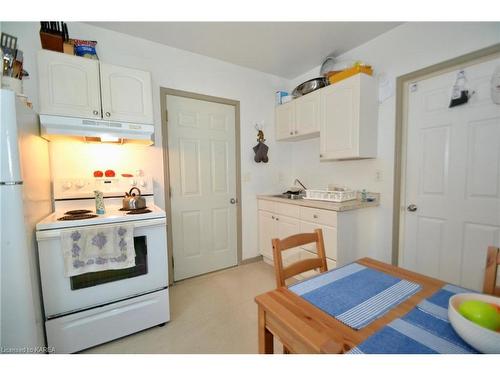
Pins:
x: 334, y: 78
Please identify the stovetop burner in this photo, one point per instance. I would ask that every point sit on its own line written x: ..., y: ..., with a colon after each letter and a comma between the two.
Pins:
x: 139, y: 211
x: 77, y: 212
x: 134, y: 209
x: 77, y: 217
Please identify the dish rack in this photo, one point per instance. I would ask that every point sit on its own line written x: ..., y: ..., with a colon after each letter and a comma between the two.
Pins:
x: 331, y: 195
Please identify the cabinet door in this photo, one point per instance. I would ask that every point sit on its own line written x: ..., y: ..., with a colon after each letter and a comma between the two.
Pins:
x: 329, y: 238
x: 68, y: 85
x: 285, y: 120
x: 267, y: 225
x: 339, y: 123
x: 126, y: 94
x: 288, y: 226
x: 307, y: 114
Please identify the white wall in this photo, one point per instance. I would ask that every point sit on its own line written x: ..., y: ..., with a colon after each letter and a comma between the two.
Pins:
x: 405, y: 49
x: 172, y: 68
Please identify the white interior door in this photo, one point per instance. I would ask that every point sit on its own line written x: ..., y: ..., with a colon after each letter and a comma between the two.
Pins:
x: 452, y: 178
x: 201, y: 143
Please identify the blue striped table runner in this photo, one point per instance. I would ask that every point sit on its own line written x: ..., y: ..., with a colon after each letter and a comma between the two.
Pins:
x: 424, y: 330
x: 354, y: 294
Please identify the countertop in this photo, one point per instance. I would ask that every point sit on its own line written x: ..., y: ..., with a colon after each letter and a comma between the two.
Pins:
x: 324, y: 205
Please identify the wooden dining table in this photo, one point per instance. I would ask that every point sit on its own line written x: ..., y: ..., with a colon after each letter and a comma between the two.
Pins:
x: 304, y: 328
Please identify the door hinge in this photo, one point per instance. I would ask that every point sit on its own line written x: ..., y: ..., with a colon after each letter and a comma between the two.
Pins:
x: 173, y: 263
x: 170, y: 191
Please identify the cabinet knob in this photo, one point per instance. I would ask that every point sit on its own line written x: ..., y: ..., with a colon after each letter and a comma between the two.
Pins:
x: 108, y: 114
x: 96, y: 112
x: 291, y: 133
x: 272, y: 217
x: 315, y: 216
x: 320, y: 155
x: 277, y: 219
x: 296, y: 132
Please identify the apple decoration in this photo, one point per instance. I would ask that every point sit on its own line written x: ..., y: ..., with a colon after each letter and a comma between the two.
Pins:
x: 98, y: 174
x: 484, y: 314
x: 109, y: 173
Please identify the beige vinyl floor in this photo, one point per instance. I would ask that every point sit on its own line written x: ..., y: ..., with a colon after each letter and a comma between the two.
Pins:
x: 213, y: 313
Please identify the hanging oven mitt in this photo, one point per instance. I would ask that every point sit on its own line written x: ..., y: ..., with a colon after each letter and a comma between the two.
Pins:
x: 261, y: 153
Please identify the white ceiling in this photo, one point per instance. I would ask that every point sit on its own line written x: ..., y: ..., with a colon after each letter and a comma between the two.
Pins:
x: 285, y: 49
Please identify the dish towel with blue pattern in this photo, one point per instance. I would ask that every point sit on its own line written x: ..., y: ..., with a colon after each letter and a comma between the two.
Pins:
x: 424, y: 330
x: 354, y: 294
x: 97, y: 248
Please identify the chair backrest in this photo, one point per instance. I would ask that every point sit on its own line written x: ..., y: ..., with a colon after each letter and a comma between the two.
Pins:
x: 491, y: 270
x: 284, y: 273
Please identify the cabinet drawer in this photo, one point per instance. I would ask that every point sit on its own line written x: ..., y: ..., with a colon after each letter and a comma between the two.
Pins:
x: 290, y: 210
x: 319, y: 216
x: 267, y: 205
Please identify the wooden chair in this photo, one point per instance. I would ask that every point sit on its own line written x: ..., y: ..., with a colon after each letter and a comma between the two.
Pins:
x: 284, y: 273
x: 490, y: 272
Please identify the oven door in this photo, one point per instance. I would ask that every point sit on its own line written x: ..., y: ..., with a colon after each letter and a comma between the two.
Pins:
x: 63, y: 295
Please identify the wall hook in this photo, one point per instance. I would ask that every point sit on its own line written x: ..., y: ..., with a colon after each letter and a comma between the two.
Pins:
x: 260, y: 136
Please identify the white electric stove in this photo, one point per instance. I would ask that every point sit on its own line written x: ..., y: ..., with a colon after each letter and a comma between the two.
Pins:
x: 89, y: 309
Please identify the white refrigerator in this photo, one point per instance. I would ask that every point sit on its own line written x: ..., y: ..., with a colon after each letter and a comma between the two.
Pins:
x: 25, y: 198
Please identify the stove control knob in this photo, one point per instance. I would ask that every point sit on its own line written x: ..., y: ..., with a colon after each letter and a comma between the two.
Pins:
x: 79, y: 184
x: 67, y: 185
x: 133, y: 183
x: 142, y: 183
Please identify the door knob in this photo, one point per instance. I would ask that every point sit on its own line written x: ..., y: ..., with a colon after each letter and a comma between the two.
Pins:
x: 412, y: 207
x: 233, y: 201
x: 96, y: 112
x: 108, y: 114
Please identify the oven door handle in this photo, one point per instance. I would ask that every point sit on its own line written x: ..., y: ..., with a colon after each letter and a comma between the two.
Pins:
x: 51, y: 233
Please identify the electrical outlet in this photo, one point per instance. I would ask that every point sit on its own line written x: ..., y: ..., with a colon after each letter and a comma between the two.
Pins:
x: 378, y: 175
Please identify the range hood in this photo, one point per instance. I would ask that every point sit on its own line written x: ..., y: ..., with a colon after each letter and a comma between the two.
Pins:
x: 90, y: 130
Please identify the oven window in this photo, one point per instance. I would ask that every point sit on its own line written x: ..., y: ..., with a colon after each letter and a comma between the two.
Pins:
x: 95, y: 278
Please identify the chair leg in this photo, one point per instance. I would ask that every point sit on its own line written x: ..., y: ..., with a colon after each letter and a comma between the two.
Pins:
x: 285, y: 350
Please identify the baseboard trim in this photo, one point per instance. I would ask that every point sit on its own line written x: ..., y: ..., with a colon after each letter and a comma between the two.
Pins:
x: 258, y: 258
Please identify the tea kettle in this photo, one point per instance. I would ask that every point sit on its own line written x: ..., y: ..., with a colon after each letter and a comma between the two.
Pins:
x: 132, y: 201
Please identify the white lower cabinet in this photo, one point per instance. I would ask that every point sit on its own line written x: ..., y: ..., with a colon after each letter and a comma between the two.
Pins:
x: 280, y: 220
x: 272, y: 225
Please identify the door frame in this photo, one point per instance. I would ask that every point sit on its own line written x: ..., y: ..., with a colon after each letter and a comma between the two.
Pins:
x: 164, y: 92
x: 402, y: 86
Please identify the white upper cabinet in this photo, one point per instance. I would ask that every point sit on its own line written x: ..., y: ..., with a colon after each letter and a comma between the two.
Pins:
x: 126, y: 94
x: 348, y: 124
x: 285, y: 119
x: 68, y: 85
x: 343, y: 114
x: 307, y: 114
x: 79, y: 87
x: 298, y: 119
